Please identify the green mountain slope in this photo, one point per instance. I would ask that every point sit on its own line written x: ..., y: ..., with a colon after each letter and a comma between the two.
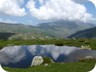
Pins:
x: 63, y: 29
x: 57, y: 29
x: 88, y: 33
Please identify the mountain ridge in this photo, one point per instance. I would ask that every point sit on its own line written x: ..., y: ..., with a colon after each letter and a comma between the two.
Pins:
x: 87, y: 33
x: 57, y: 29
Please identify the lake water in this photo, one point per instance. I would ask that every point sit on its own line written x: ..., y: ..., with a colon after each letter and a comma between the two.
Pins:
x: 21, y: 56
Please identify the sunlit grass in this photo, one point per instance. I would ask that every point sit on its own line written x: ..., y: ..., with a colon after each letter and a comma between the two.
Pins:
x: 57, y: 67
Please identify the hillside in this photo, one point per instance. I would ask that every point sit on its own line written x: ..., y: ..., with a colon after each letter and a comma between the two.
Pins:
x: 62, y: 29
x: 56, y: 29
x: 88, y: 33
x: 5, y: 35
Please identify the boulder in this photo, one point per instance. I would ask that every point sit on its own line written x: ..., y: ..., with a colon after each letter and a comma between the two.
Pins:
x: 37, y: 60
x: 88, y: 57
x: 85, y: 47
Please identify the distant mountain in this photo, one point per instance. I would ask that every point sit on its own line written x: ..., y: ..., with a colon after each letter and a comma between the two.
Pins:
x: 88, y: 33
x: 56, y: 29
x: 63, y: 29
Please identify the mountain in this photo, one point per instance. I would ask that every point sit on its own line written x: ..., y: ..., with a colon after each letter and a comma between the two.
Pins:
x: 56, y: 29
x: 63, y: 29
x: 21, y: 31
x: 88, y: 33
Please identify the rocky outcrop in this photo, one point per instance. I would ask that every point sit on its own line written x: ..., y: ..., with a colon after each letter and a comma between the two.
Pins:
x: 85, y: 47
x: 37, y: 60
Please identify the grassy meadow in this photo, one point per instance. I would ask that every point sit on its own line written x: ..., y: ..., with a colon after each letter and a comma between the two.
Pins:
x: 57, y: 67
x: 61, y: 42
x: 82, y: 66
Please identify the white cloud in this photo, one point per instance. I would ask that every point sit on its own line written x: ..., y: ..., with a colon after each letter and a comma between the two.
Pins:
x: 59, y: 9
x: 1, y: 20
x: 8, y: 21
x: 41, y: 1
x: 13, y: 54
x: 9, y: 54
x: 12, y: 7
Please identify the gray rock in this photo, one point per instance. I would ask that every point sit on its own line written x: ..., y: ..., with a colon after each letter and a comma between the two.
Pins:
x: 37, y: 60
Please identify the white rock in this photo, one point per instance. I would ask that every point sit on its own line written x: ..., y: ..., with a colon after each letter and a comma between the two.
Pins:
x: 37, y: 60
x: 46, y: 64
x: 88, y: 57
x: 85, y: 47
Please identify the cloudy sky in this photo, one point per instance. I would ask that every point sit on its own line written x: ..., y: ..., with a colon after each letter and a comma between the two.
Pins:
x: 36, y: 11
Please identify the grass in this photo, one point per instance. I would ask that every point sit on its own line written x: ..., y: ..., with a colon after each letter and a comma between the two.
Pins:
x: 57, y: 67
x: 67, y: 42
